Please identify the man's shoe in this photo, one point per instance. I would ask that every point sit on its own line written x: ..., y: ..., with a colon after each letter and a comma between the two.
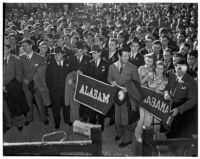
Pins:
x: 125, y: 144
x: 112, y: 121
x: 117, y: 138
x: 57, y: 126
x: 20, y: 128
x: 46, y: 122
x: 27, y: 123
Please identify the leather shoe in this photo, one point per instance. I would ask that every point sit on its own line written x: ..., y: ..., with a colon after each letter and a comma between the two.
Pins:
x: 117, y: 138
x: 27, y: 123
x: 69, y: 123
x: 46, y: 122
x: 57, y: 126
x: 125, y: 144
x: 20, y: 128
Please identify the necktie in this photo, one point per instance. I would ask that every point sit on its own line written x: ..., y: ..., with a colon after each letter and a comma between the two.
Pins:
x: 5, y: 62
x: 79, y: 59
x: 96, y: 64
x: 121, y: 68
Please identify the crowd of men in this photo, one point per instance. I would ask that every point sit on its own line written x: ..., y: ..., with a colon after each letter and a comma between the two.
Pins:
x: 45, y: 48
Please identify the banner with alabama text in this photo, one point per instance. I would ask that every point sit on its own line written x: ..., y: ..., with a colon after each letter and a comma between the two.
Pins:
x: 155, y: 104
x: 94, y: 94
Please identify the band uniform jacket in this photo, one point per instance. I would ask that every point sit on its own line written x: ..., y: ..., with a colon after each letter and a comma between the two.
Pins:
x: 184, y: 97
x: 40, y: 83
x: 138, y: 60
x: 100, y: 73
x: 128, y: 78
x: 109, y: 60
x: 82, y: 66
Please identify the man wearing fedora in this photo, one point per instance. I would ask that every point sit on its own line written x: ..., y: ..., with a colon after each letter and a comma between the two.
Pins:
x: 124, y: 75
x: 97, y: 69
x: 56, y: 75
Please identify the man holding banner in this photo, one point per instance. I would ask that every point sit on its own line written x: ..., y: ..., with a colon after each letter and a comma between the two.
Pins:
x: 124, y: 75
x: 97, y: 69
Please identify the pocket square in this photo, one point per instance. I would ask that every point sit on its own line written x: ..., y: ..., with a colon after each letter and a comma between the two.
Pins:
x: 36, y: 65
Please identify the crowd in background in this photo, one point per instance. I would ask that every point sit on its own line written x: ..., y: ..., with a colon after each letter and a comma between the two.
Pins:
x: 158, y: 37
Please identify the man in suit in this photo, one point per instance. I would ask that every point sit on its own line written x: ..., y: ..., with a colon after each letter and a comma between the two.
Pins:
x: 30, y: 62
x: 56, y: 75
x: 167, y: 58
x: 182, y: 91
x: 124, y: 74
x: 79, y: 63
x: 157, y: 50
x: 97, y: 69
x: 135, y: 57
x: 13, y: 44
x: 192, y: 60
x: 148, y: 49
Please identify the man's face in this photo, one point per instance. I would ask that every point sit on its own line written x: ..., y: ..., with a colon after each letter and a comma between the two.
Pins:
x: 12, y: 40
x: 180, y: 70
x: 138, y: 34
x: 164, y: 41
x: 191, y: 60
x: 184, y: 50
x: 43, y: 48
x: 50, y: 42
x: 112, y: 45
x: 79, y: 52
x: 149, y: 44
x: 125, y: 57
x: 73, y: 42
x: 67, y: 40
x: 181, y: 38
x: 97, y: 41
x: 96, y: 55
x: 134, y: 47
x: 167, y: 56
x: 27, y: 47
x: 156, y: 48
x: 120, y: 38
x: 58, y: 56
x: 6, y: 51
x: 60, y: 42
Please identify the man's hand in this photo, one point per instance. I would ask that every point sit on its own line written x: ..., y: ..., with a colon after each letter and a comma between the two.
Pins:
x: 70, y: 81
x: 175, y: 111
x: 167, y: 96
x: 124, y: 89
x: 4, y: 89
x: 114, y: 83
x: 79, y: 72
x: 26, y: 81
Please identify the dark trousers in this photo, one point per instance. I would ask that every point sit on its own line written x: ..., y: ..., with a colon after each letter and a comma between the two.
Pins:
x: 84, y: 112
x: 92, y: 117
x: 57, y: 99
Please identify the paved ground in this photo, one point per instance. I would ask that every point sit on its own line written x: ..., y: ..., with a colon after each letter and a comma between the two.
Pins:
x: 37, y: 129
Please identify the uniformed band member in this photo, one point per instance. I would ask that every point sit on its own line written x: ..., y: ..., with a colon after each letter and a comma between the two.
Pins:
x: 97, y: 69
x: 56, y: 75
x: 125, y: 75
x: 182, y: 90
x: 79, y: 63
